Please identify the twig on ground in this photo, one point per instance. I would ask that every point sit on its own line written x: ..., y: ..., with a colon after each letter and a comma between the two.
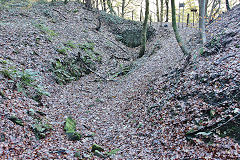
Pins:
x: 224, y: 58
x: 60, y: 13
x: 122, y: 58
x: 225, y: 122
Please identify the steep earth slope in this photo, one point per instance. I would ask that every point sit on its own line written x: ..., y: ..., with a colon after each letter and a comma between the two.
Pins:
x: 144, y: 114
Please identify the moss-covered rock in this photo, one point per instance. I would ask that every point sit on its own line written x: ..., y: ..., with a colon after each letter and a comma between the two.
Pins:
x: 96, y: 147
x: 2, y: 137
x: 41, y: 129
x: 2, y: 93
x: 16, y: 120
x: 72, y: 68
x: 132, y: 37
x: 77, y: 155
x: 73, y: 136
x: 70, y: 124
x: 70, y: 129
x: 62, y: 50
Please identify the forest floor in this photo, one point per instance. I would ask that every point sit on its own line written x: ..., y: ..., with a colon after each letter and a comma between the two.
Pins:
x: 158, y: 110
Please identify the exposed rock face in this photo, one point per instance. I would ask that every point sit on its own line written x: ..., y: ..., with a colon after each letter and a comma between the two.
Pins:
x: 126, y: 31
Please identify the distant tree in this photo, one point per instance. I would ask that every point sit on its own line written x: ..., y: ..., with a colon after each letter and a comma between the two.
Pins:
x: 167, y: 7
x: 202, y: 21
x: 97, y: 4
x: 141, y: 12
x: 103, y: 4
x: 109, y: 3
x: 227, y: 5
x: 88, y: 3
x: 144, y: 30
x: 174, y: 25
x: 123, y: 7
x: 65, y: 1
x: 157, y: 6
x: 206, y: 8
x: 215, y: 9
x: 161, y: 12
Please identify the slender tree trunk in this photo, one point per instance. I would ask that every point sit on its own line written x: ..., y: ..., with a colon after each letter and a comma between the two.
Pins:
x: 123, y: 7
x: 174, y: 25
x: 217, y: 10
x: 202, y: 21
x: 206, y: 9
x: 212, y: 13
x: 227, y: 5
x: 104, y: 5
x: 161, y: 12
x: 141, y: 14
x: 157, y: 6
x: 167, y: 6
x: 144, y: 30
x: 88, y: 3
x: 109, y: 3
x: 97, y: 4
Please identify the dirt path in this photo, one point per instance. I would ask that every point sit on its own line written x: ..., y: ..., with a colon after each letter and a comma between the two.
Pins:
x: 102, y: 106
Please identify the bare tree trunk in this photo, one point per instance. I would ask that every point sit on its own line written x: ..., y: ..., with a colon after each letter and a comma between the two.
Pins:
x: 88, y: 3
x: 187, y: 19
x: 144, y: 30
x: 206, y: 8
x: 132, y: 15
x: 202, y: 21
x: 104, y: 5
x: 227, y: 5
x: 97, y: 4
x: 141, y: 14
x: 167, y: 6
x: 174, y: 25
x: 123, y: 7
x: 157, y: 6
x: 161, y: 12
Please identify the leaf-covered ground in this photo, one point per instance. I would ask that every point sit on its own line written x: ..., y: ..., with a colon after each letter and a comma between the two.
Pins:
x: 156, y: 111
